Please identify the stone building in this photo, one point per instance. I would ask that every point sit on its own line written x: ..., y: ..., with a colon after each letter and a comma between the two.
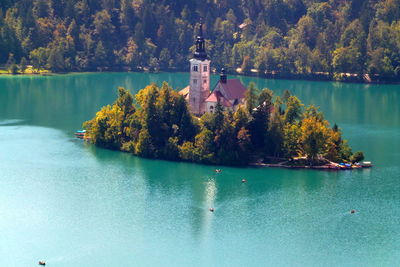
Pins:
x: 229, y: 93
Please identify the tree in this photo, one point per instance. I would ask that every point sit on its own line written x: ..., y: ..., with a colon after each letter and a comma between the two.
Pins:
x: 144, y: 146
x: 258, y: 126
x: 56, y: 61
x: 131, y: 56
x: 104, y: 26
x: 205, y: 145
x: 42, y: 9
x: 23, y: 65
x: 246, y: 65
x: 251, y: 97
x: 286, y: 95
x: 314, y: 134
x: 293, y: 109
x: 10, y: 65
x: 291, y: 140
x: 347, y: 59
x: 100, y: 56
x: 39, y: 58
x: 306, y: 31
x: 357, y: 157
x: 165, y: 58
x: 380, y: 64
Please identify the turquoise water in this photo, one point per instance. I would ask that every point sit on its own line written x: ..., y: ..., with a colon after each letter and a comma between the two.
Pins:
x: 72, y: 204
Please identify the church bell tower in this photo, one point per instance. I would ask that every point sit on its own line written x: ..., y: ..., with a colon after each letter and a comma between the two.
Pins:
x: 199, y: 76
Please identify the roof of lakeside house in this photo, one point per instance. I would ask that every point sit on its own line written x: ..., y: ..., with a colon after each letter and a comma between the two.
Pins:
x: 233, y: 88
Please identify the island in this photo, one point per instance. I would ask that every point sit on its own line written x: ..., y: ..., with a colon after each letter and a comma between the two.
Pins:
x: 220, y: 124
x: 266, y: 129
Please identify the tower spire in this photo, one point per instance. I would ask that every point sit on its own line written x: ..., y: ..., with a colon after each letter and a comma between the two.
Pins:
x: 200, y: 52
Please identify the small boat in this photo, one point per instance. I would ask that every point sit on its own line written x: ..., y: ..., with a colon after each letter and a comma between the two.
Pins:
x: 42, y: 263
x: 244, y: 180
x: 80, y: 134
x: 211, y: 209
x: 366, y: 164
x: 218, y: 170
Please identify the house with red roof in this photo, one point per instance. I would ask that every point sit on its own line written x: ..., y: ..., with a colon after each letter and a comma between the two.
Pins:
x: 229, y: 93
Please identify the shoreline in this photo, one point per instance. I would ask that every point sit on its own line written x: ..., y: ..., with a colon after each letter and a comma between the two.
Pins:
x: 332, y: 166
x: 268, y: 76
x: 325, y: 167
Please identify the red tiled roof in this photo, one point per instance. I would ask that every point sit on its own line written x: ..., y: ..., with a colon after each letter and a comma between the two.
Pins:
x: 218, y: 97
x: 234, y: 89
x: 212, y: 98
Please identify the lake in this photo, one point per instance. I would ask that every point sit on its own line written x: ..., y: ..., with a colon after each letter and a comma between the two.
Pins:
x: 72, y: 204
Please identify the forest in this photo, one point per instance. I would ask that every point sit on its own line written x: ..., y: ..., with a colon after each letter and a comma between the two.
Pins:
x: 298, y: 37
x: 156, y: 123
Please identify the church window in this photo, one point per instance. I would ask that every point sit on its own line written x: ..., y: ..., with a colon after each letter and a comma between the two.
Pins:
x: 205, y: 68
x: 195, y: 68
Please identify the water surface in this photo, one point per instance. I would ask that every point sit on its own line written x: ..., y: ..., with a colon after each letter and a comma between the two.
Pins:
x: 73, y: 204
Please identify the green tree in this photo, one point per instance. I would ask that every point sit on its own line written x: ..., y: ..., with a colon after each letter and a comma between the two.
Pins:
x: 23, y: 65
x: 291, y: 140
x: 56, y: 61
x: 10, y: 65
x: 357, y: 157
x: 293, y: 109
x: 144, y: 146
x: 39, y: 58
x: 165, y: 59
x: 100, y: 56
x: 251, y: 97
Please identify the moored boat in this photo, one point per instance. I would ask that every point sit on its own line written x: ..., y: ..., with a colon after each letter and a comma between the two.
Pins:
x: 80, y: 134
x: 366, y: 164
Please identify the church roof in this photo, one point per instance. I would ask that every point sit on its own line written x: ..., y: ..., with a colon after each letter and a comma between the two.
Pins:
x: 233, y: 88
x: 218, y: 97
x: 185, y: 91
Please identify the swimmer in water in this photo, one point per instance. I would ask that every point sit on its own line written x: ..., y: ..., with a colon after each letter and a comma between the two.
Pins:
x: 353, y: 211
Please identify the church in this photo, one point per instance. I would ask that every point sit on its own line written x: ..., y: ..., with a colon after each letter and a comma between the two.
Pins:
x: 230, y: 93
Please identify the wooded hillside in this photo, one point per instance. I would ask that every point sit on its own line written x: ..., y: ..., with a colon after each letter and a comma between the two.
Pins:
x: 285, y: 36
